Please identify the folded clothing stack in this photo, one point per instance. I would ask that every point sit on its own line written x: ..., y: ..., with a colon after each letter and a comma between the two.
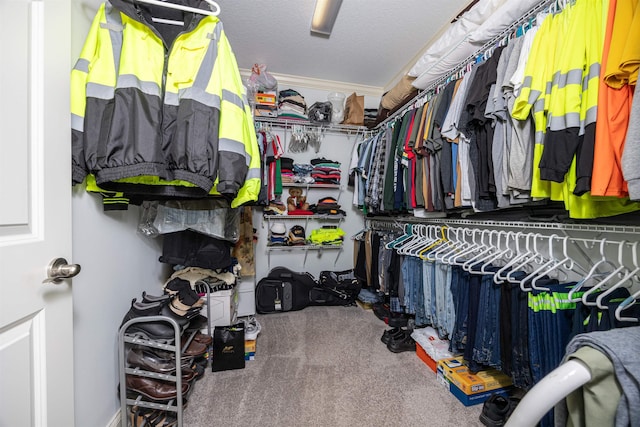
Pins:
x: 325, y: 171
x: 327, y: 206
x: 276, y: 207
x: 327, y: 235
x: 302, y: 173
x: 291, y: 105
x: 286, y: 170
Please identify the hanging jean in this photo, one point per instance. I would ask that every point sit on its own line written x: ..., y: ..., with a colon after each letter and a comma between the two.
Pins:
x: 460, y: 294
x: 428, y: 280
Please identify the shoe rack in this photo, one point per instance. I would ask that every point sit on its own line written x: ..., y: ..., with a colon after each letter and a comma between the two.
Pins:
x: 174, y: 405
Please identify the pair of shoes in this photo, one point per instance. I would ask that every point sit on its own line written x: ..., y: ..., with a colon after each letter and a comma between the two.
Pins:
x: 155, y: 389
x: 389, y: 334
x: 251, y: 328
x: 401, y: 341
x: 497, y: 410
x: 160, y: 331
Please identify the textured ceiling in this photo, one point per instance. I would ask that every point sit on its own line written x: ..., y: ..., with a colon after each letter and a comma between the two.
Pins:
x: 371, y: 42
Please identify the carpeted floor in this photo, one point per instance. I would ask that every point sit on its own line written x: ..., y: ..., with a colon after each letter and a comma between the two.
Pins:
x: 326, y: 366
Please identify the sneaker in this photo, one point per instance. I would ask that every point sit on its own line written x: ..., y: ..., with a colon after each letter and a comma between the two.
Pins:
x: 496, y: 410
x: 251, y: 328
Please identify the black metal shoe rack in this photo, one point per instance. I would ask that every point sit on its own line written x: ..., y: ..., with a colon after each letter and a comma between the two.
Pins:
x: 175, y: 405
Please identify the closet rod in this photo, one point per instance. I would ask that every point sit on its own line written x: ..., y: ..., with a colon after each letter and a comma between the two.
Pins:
x: 621, y: 229
x: 469, y: 60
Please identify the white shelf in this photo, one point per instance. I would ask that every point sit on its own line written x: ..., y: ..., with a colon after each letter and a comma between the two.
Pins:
x: 314, y: 185
x: 290, y: 123
x: 302, y: 247
x: 305, y: 217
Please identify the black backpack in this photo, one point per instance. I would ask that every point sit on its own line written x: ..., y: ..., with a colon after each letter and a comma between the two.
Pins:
x: 284, y: 290
x: 336, y: 288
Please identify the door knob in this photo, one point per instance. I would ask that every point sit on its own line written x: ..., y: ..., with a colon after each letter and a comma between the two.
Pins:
x: 58, y: 270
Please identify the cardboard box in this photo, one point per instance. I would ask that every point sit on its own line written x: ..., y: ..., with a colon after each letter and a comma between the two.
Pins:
x: 250, y: 356
x: 267, y: 98
x: 265, y: 111
x: 250, y: 346
x: 479, y: 382
x: 422, y: 355
x: 450, y: 365
x: 476, y: 398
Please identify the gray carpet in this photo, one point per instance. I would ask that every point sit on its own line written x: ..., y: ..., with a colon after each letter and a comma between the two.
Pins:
x: 326, y: 366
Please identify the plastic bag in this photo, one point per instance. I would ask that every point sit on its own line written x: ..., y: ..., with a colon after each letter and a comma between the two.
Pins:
x: 260, y: 80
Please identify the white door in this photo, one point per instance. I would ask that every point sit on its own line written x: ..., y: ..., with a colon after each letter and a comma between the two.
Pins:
x: 36, y: 335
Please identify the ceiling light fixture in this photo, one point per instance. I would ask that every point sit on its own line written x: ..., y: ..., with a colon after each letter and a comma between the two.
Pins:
x: 324, y: 16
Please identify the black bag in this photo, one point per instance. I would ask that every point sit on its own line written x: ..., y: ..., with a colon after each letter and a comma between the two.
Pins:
x: 283, y: 290
x: 228, y: 347
x: 193, y: 249
x: 337, y: 288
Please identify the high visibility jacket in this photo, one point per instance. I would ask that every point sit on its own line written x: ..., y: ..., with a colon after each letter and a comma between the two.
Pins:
x: 152, y: 112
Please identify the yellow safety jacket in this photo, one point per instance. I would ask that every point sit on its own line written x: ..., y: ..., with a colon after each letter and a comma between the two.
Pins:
x: 161, y: 110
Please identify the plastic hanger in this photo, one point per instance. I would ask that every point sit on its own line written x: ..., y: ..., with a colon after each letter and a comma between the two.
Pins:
x: 630, y: 275
x: 483, y: 250
x: 631, y: 300
x: 611, y: 275
x: 540, y: 268
x: 498, y: 278
x: 170, y: 5
x: 506, y: 252
x: 441, y: 245
x: 534, y: 256
x: 494, y: 251
x: 456, y: 244
x: 557, y: 264
x: 476, y: 237
x: 591, y: 274
x: 419, y: 234
x: 408, y: 233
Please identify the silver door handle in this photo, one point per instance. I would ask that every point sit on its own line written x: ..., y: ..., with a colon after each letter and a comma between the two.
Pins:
x: 58, y: 270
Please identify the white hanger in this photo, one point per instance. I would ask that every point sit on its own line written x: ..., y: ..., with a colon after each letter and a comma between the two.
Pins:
x: 624, y: 305
x: 458, y: 259
x: 506, y: 252
x: 486, y: 248
x: 533, y: 257
x: 498, y: 278
x: 455, y: 244
x: 627, y: 277
x: 557, y: 264
x: 408, y: 233
x: 487, y: 254
x: 540, y: 268
x: 591, y: 274
x: 606, y: 279
x: 170, y: 5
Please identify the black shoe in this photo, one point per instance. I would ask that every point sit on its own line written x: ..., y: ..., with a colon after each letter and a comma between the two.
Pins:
x: 163, y: 299
x: 403, y: 343
x: 389, y: 334
x: 156, y: 330
x: 398, y: 320
x: 382, y: 311
x: 496, y: 410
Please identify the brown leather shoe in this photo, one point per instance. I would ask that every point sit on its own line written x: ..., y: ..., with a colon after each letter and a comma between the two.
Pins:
x: 149, y: 361
x: 203, y: 338
x: 154, y: 389
x: 194, y: 348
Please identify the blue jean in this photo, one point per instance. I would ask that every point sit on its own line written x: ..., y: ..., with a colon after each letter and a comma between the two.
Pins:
x: 486, y: 349
x: 460, y: 294
x: 444, y: 303
x: 428, y: 280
